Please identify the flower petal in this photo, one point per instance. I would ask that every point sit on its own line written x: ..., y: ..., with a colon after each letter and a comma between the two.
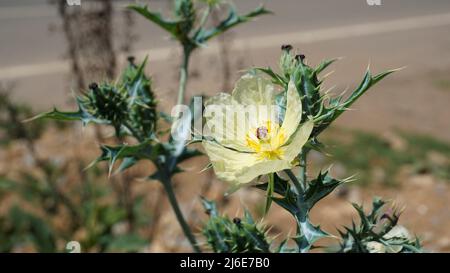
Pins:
x: 226, y: 162
x: 254, y: 88
x: 293, y: 114
x: 248, y: 173
x: 291, y: 150
x: 222, y: 125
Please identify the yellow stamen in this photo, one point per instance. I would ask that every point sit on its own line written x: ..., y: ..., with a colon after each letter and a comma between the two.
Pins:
x: 266, y: 141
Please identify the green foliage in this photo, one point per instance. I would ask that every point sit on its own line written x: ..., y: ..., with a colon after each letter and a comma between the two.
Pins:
x: 299, y: 202
x: 316, y: 103
x: 11, y: 116
x: 129, y: 154
x: 377, y: 232
x: 90, y: 215
x: 232, y: 20
x: 234, y: 236
x: 126, y: 243
x: 189, y: 28
x: 129, y: 105
x: 21, y: 226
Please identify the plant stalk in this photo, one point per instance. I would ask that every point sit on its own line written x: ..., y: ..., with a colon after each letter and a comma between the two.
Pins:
x: 303, y: 173
x: 294, y: 179
x: 183, y: 75
x: 176, y: 208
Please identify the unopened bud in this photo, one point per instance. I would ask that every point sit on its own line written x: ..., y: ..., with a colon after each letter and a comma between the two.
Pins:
x: 286, y: 48
x: 93, y: 86
x: 300, y: 57
x: 131, y: 59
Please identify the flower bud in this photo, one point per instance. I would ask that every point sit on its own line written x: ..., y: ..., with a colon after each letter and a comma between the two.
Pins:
x: 300, y: 57
x: 286, y: 48
x: 131, y: 59
x: 93, y: 86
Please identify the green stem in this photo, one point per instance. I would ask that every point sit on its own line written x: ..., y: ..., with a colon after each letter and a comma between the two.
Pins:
x: 183, y: 75
x: 270, y: 189
x: 297, y: 184
x: 303, y: 174
x: 205, y: 17
x: 176, y: 208
x: 135, y: 133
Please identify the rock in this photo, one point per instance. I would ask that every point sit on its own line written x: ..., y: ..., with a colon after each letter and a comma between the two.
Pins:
x: 395, y: 141
x: 424, y: 180
x: 422, y: 209
x: 378, y: 175
x: 120, y: 228
x: 375, y: 247
x: 354, y: 195
x: 438, y: 158
x: 338, y: 170
x: 397, y: 232
x: 444, y: 242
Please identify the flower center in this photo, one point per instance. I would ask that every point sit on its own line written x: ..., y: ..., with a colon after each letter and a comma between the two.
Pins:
x: 261, y: 132
x: 266, y: 141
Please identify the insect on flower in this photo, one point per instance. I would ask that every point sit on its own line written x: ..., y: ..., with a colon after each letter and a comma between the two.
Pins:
x: 245, y: 137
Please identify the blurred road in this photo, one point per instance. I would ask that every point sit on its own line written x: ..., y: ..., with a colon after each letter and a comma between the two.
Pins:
x: 415, y: 33
x: 26, y: 39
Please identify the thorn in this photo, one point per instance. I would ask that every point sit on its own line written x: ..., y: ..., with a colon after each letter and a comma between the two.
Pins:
x: 329, y: 90
x: 327, y: 75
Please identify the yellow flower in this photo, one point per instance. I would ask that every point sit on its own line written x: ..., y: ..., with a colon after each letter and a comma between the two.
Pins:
x: 245, y: 138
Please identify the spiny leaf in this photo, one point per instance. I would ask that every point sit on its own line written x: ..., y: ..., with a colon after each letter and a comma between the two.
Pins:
x: 320, y: 187
x: 231, y: 21
x: 238, y: 235
x: 79, y: 115
x: 337, y: 108
x: 170, y: 26
x: 276, y: 79
x: 323, y: 65
x: 374, y: 234
x: 281, y: 186
x: 130, y: 153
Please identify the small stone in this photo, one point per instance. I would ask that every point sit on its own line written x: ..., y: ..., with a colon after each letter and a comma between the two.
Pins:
x: 397, y: 232
x: 423, y: 180
x: 395, y: 141
x: 444, y: 242
x: 438, y: 158
x: 422, y: 209
x: 375, y: 247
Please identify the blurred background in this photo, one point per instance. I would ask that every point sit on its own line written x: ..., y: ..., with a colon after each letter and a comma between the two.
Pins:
x: 396, y: 139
